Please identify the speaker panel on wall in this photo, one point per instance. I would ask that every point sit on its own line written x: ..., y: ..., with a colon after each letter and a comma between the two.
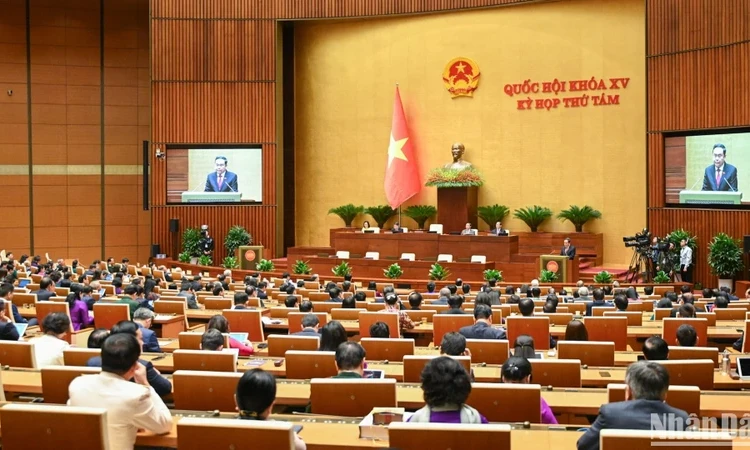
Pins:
x: 155, y: 250
x: 747, y: 244
x: 174, y: 225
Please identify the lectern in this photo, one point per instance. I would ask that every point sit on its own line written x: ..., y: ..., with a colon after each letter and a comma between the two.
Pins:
x: 211, y: 197
x: 711, y: 197
x: 249, y: 255
x: 456, y: 206
x: 560, y: 265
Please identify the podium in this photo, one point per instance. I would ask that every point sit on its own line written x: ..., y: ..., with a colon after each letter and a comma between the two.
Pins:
x: 711, y: 197
x: 564, y: 267
x: 211, y: 197
x: 456, y: 206
x: 249, y: 255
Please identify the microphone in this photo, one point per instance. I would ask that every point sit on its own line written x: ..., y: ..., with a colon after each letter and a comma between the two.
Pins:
x: 724, y: 178
x: 695, y: 184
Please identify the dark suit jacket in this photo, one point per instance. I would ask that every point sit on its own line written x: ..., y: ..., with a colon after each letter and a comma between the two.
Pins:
x: 499, y: 232
x: 161, y: 385
x: 307, y: 332
x: 8, y: 332
x: 728, y: 181
x: 229, y: 184
x: 592, y: 304
x: 494, y: 297
x: 44, y: 295
x: 454, y: 311
x: 150, y: 343
x: 482, y: 330
x: 571, y: 253
x: 629, y: 415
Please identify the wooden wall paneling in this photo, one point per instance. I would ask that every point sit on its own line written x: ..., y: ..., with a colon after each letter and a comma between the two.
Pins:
x: 675, y: 177
x: 177, y: 172
x: 655, y: 166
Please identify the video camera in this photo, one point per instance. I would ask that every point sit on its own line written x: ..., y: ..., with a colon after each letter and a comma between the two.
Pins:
x: 641, y: 240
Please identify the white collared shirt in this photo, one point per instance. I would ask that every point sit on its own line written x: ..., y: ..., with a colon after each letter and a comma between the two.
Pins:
x: 48, y: 351
x: 686, y: 256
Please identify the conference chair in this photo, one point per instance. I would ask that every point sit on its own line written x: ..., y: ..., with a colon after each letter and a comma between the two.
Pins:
x: 106, y: 315
x: 367, y: 318
x: 635, y: 318
x: 729, y: 313
x: 417, y: 315
x: 191, y: 340
x: 408, y: 257
x: 177, y: 307
x: 746, y: 337
x: 374, y: 307
x: 204, y: 391
x: 281, y: 312
x: 381, y: 286
x: 594, y: 354
x: 436, y: 228
x: 304, y: 365
x: 696, y: 372
x: 43, y: 309
x: 17, y: 354
x: 351, y: 397
x: 686, y: 398
x: 437, y: 308
x: 217, y: 361
x: 342, y: 254
x: 30, y: 425
x: 295, y: 320
x: 556, y: 372
x: 611, y: 439
x: 445, y: 257
x: 56, y: 379
x: 420, y: 436
x: 680, y: 353
x: 558, y: 319
x: 321, y: 297
x: 279, y: 344
x: 510, y: 402
x: 740, y: 305
x: 445, y: 323
x: 218, y: 303
x: 671, y: 324
x: 598, y: 311
x: 709, y: 316
x: 413, y: 365
x: 345, y: 313
x: 478, y: 259
x: 379, y: 349
x: 245, y: 321
x: 661, y: 313
x: 201, y: 433
x: 578, y: 308
x: 21, y: 300
x: 642, y: 306
x: 61, y: 293
x: 372, y: 255
x: 536, y: 327
x: 489, y: 351
x: 78, y: 357
x: 608, y: 329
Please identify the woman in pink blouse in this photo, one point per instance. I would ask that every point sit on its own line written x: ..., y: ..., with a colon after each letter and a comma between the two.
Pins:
x: 79, y: 311
x: 221, y: 323
x: 517, y: 369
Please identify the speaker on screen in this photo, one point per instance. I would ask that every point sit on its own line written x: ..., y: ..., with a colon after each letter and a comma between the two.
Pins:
x: 747, y: 244
x: 174, y: 225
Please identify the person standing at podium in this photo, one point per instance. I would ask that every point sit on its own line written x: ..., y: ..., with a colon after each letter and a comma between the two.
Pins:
x: 221, y: 180
x: 720, y: 176
x: 568, y: 249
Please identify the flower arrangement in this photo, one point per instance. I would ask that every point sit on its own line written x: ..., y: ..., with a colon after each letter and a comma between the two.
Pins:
x: 442, y: 177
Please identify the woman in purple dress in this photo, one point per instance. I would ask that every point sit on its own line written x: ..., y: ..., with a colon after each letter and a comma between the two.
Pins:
x: 79, y: 311
x: 517, y: 369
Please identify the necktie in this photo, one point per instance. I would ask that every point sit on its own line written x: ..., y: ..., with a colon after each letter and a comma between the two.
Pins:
x: 718, y: 177
x: 221, y: 178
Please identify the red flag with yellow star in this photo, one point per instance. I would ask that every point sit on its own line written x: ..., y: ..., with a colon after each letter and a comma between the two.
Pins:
x: 401, y: 174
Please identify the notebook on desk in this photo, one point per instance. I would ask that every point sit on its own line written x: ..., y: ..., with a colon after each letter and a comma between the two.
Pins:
x: 21, y: 327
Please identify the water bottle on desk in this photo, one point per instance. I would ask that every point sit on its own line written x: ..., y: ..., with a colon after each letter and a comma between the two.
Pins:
x: 725, y: 363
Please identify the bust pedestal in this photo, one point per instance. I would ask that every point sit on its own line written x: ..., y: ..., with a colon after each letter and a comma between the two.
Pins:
x: 456, y: 206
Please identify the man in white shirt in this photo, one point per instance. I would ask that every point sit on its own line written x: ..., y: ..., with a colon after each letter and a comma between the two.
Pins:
x: 129, y: 406
x: 48, y: 349
x: 686, y: 262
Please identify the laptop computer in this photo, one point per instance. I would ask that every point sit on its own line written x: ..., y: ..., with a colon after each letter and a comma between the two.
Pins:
x: 23, y: 283
x: 374, y: 374
x: 743, y: 368
x: 241, y: 337
x: 21, y: 327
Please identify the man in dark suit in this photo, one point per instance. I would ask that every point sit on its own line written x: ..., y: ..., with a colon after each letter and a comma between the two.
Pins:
x: 598, y: 301
x: 455, y: 302
x: 240, y: 300
x: 720, y: 176
x: 310, y: 325
x: 482, y: 328
x: 221, y: 180
x: 499, y: 230
x: 143, y: 317
x: 46, y: 290
x: 567, y: 249
x: 443, y: 300
x: 646, y: 388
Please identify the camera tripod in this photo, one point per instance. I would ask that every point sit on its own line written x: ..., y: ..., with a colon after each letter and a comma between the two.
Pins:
x: 639, y: 263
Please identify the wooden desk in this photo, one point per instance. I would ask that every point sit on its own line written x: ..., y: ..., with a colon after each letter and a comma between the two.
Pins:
x: 169, y: 327
x: 373, y: 268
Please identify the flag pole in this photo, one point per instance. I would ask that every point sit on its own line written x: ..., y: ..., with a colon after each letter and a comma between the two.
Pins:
x: 399, y: 216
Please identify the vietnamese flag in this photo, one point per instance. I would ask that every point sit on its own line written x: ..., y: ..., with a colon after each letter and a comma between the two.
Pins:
x: 401, y: 174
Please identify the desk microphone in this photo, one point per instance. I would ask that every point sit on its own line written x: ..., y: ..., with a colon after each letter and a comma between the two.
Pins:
x: 724, y: 178
x: 696, y: 183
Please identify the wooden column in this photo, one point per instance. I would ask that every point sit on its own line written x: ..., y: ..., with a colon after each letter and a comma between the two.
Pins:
x: 456, y: 206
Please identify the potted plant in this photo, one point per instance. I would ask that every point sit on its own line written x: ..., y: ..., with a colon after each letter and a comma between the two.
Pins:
x: 381, y: 214
x: 442, y: 178
x: 438, y: 272
x: 205, y: 260
x: 547, y: 276
x: 265, y: 265
x: 236, y: 237
x: 347, y: 213
x: 491, y: 214
x: 191, y: 245
x: 230, y: 262
x: 393, y: 271
x: 661, y: 277
x: 578, y: 216
x: 533, y: 216
x: 725, y: 258
x: 301, y: 267
x: 342, y: 269
x: 420, y: 214
x: 493, y: 274
x: 603, y: 277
